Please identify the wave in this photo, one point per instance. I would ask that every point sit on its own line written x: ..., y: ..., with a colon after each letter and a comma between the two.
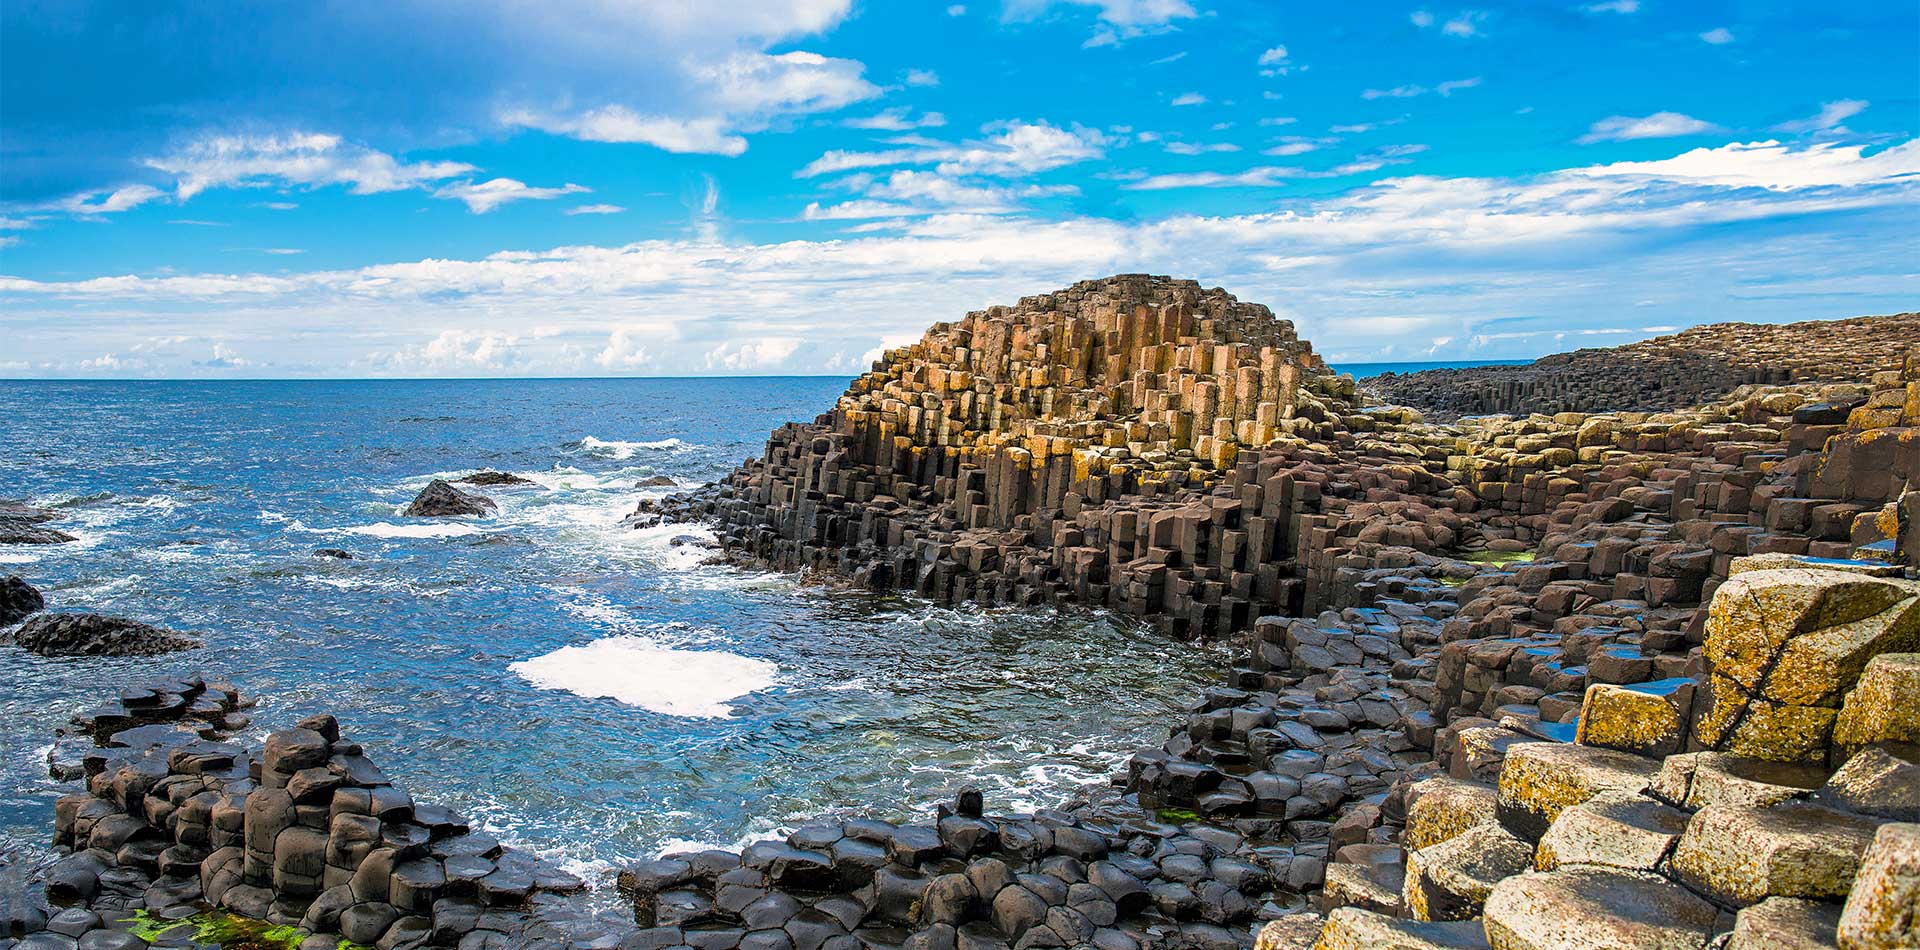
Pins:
x: 616, y: 449
x: 639, y: 672
x: 387, y: 529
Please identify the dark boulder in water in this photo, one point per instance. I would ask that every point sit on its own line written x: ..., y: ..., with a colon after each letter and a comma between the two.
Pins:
x: 17, y: 600
x: 21, y: 524
x: 97, y: 635
x: 490, y: 477
x: 338, y: 553
x: 441, y: 500
x: 657, y: 481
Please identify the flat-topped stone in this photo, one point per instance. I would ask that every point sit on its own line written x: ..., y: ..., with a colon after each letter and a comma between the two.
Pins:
x: 1614, y: 829
x: 1742, y: 855
x: 1583, y: 908
x: 1541, y: 779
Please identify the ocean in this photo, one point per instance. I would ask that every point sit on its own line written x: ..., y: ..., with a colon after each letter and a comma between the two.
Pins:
x: 588, y: 691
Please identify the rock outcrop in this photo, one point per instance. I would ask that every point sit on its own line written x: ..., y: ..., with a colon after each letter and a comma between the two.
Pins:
x: 25, y: 524
x: 78, y: 634
x: 18, y: 599
x: 441, y: 500
x: 1668, y: 372
x: 490, y: 477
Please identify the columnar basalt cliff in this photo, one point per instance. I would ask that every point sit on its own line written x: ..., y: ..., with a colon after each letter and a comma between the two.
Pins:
x: 1667, y: 372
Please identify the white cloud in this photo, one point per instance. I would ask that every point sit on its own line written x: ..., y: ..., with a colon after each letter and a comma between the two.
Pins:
x: 107, y: 202
x: 282, y: 251
x: 1279, y: 120
x: 1404, y: 260
x: 958, y: 9
x: 295, y: 159
x: 595, y: 209
x: 1169, y: 58
x: 1189, y: 99
x: 1010, y: 149
x: 742, y: 93
x: 910, y: 193
x: 1266, y: 176
x: 1718, y: 36
x: 1624, y: 128
x: 1421, y: 18
x: 1195, y: 148
x: 482, y: 197
x: 921, y: 77
x: 1613, y: 6
x: 453, y: 351
x: 897, y: 119
x: 1465, y: 25
x: 1274, y: 56
x: 1829, y: 117
x: 624, y: 350
x: 1409, y: 91
x: 1120, y: 20
x: 1449, y: 87
x: 1297, y: 145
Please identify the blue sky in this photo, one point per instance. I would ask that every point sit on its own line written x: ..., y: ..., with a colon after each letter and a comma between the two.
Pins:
x: 426, y: 188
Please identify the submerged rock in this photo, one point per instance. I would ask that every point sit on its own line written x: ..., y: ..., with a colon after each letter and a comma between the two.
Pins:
x: 441, y: 500
x: 657, y: 481
x: 68, y: 634
x: 339, y: 553
x: 490, y: 477
x: 18, y: 599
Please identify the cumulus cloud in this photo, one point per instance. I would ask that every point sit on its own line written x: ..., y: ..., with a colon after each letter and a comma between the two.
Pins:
x: 1623, y: 128
x: 624, y: 351
x: 1718, y: 36
x: 1402, y: 261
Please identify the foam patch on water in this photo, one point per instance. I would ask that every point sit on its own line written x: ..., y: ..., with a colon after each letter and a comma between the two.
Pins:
x: 7, y: 557
x: 640, y: 672
x: 387, y: 529
x: 616, y: 449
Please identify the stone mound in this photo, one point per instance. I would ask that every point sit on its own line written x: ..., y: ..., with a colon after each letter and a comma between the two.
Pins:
x: 72, y: 634
x: 441, y: 500
x: 490, y: 477
x: 1667, y: 372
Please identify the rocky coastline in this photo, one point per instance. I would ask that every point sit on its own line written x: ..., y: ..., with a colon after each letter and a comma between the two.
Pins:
x: 1619, y: 678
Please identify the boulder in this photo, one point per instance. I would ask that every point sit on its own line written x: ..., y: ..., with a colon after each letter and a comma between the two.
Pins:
x: 656, y: 481
x: 1698, y: 779
x: 1883, y: 909
x: 1615, y: 830
x: 1644, y: 718
x: 441, y: 500
x: 75, y: 634
x: 1875, y: 782
x: 18, y: 599
x: 1785, y: 923
x: 1441, y: 807
x: 1884, y: 706
x: 1590, y: 908
x: 1351, y: 928
x: 1540, y: 779
x: 1741, y: 855
x: 22, y: 524
x: 1451, y: 880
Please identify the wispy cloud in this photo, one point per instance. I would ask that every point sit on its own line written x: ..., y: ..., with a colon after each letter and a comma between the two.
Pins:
x: 595, y: 209
x: 1613, y: 6
x: 1409, y: 91
x: 482, y: 197
x: 1189, y: 99
x: 1829, y: 117
x: 1718, y: 36
x: 1623, y: 128
x: 1009, y: 149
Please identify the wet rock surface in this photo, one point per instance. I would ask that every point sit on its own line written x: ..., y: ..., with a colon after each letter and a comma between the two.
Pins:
x: 18, y: 599
x: 21, y: 523
x: 490, y: 477
x: 441, y: 500
x: 78, y: 634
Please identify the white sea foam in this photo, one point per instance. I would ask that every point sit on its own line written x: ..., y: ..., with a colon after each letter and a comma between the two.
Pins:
x: 7, y: 557
x: 639, y: 672
x: 616, y: 449
x: 385, y: 529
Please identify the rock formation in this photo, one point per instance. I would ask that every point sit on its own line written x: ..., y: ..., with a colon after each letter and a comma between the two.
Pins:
x: 17, y: 600
x: 303, y: 832
x: 77, y: 634
x: 25, y: 524
x: 441, y: 500
x: 490, y: 477
x: 1668, y: 372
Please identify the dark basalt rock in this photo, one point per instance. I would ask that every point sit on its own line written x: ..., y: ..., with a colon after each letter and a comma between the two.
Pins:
x: 337, y: 553
x: 441, y: 500
x: 490, y: 477
x: 18, y: 599
x: 68, y: 634
x: 20, y: 523
x: 657, y: 481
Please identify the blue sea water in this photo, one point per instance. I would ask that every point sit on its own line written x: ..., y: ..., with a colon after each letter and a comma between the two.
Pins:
x: 587, y: 690
x: 1364, y: 370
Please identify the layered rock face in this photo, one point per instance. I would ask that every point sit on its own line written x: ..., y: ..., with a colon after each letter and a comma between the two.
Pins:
x: 1668, y: 372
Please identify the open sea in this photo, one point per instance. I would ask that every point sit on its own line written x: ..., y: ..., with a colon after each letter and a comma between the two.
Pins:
x: 585, y: 690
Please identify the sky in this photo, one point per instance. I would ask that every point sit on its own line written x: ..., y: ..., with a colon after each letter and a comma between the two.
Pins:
x: 664, y: 187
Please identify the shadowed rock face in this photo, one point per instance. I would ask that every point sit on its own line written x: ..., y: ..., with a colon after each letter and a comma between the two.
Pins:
x: 97, y: 635
x: 441, y: 500
x: 18, y: 599
x: 1668, y: 372
x: 495, y: 478
x: 25, y: 524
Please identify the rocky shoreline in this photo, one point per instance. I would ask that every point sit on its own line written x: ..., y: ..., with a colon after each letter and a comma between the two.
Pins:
x: 1622, y: 678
